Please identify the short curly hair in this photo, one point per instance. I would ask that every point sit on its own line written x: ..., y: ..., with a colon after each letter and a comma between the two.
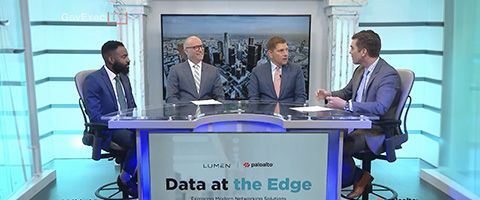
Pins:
x: 109, y: 47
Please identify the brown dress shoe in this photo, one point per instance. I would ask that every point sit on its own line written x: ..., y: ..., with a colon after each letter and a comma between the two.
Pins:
x: 360, y: 186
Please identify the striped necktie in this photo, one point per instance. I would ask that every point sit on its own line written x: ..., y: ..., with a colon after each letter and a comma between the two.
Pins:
x: 196, y: 77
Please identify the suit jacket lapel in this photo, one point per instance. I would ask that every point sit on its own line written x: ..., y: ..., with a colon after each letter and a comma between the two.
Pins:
x: 203, y: 80
x: 285, y: 77
x: 108, y: 84
x: 356, y: 83
x: 268, y: 72
x: 372, y: 77
x: 126, y: 88
x: 191, y: 80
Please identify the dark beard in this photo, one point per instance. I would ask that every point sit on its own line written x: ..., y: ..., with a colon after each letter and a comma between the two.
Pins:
x: 119, y: 68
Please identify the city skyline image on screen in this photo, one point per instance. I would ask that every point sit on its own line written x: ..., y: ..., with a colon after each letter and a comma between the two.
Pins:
x: 235, y: 44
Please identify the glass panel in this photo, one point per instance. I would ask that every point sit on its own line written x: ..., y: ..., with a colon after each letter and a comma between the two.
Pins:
x: 189, y: 111
x: 82, y: 31
x: 460, y: 153
x: 15, y: 154
x: 401, y: 31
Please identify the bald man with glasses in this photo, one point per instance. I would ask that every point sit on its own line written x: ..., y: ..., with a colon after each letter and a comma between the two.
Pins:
x: 193, y: 79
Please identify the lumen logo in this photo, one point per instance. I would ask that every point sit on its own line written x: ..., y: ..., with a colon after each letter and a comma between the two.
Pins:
x: 216, y: 165
x: 257, y: 164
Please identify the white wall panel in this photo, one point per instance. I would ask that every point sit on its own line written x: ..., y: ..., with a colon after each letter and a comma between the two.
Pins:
x: 56, y: 92
x: 58, y: 119
x: 429, y: 66
x: 425, y: 120
x: 402, y: 11
x: 63, y: 146
x: 410, y: 37
x: 65, y: 65
x: 71, y: 37
x: 420, y: 146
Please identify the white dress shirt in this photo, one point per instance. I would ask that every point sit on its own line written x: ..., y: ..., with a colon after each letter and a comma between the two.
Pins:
x: 193, y: 69
x: 273, y: 70
x: 112, y: 76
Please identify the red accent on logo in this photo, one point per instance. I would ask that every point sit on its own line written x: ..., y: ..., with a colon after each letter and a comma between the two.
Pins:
x: 117, y: 18
x: 246, y: 164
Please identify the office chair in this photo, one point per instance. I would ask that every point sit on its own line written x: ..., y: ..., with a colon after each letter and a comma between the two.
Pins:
x: 92, y: 136
x: 394, y: 137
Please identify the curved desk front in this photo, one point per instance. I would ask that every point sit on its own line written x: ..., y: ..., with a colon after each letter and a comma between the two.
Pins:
x: 238, y: 151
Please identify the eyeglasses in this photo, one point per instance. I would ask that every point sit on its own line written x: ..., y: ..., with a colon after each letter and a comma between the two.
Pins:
x: 196, y: 47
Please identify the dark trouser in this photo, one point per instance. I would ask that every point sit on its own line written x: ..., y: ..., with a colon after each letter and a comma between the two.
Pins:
x: 353, y: 142
x: 126, y: 139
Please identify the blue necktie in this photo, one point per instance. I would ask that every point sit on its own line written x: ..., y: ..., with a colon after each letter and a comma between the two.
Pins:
x: 361, y: 87
x: 120, y: 95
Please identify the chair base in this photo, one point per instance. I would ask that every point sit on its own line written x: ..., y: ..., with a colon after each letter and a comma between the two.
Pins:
x: 110, y: 191
x: 377, y: 190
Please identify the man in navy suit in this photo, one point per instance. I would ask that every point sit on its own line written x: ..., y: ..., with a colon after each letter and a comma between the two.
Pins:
x: 277, y: 80
x: 375, y: 90
x: 108, y: 90
x: 193, y: 79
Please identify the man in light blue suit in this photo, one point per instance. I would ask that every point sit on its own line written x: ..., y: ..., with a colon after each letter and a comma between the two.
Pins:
x: 277, y: 80
x: 193, y: 79
x: 108, y: 90
x: 374, y: 89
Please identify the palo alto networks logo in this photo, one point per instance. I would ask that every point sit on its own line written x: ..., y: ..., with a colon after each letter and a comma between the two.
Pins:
x: 257, y: 164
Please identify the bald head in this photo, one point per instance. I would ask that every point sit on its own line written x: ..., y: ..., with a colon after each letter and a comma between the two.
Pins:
x: 190, y: 40
x: 193, y: 47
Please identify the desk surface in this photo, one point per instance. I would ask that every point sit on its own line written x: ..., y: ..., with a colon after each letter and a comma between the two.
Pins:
x: 167, y: 131
x: 188, y: 115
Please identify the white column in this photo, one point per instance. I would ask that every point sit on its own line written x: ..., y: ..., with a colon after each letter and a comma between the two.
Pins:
x: 342, y: 24
x: 131, y: 16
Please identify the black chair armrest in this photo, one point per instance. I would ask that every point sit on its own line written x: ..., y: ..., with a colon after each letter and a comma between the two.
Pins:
x: 393, y: 137
x: 387, y: 122
x: 392, y: 143
x: 390, y: 127
x: 97, y: 130
x: 97, y: 126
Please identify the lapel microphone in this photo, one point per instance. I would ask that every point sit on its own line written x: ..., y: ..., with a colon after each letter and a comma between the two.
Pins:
x: 283, y: 68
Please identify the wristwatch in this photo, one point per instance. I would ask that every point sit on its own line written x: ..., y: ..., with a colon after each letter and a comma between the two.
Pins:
x: 348, y: 106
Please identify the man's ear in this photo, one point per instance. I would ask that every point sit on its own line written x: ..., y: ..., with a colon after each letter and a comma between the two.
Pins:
x: 110, y: 59
x: 364, y: 52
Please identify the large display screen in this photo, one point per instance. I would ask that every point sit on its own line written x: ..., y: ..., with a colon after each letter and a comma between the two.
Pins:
x: 235, y: 44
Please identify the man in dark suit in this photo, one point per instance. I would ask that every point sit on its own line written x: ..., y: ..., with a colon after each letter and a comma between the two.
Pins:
x: 277, y: 80
x: 374, y: 89
x: 108, y: 90
x: 193, y: 79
